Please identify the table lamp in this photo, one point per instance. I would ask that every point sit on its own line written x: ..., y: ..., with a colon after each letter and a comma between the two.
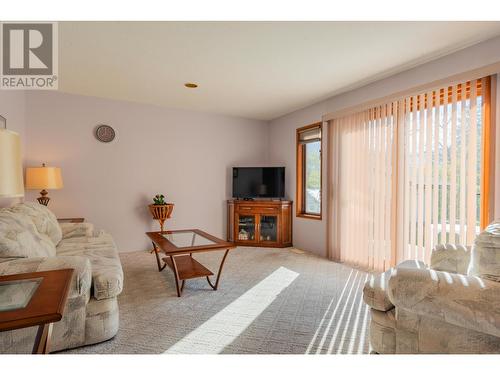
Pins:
x: 11, y: 167
x: 43, y: 178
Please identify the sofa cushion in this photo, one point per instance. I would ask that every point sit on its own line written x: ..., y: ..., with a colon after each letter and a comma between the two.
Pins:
x: 44, y: 220
x: 70, y: 230
x: 450, y: 258
x: 107, y: 274
x: 485, y: 255
x: 19, y: 237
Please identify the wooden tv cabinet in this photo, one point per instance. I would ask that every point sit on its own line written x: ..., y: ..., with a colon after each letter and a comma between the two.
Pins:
x: 265, y: 223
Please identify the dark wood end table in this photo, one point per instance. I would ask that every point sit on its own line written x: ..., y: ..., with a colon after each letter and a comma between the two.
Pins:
x: 71, y: 220
x: 34, y: 299
x: 179, y: 247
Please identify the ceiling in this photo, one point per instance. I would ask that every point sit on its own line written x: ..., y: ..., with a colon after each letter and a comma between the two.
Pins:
x: 258, y: 70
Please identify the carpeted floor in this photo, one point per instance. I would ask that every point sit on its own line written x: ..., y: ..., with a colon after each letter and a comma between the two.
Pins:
x: 270, y: 301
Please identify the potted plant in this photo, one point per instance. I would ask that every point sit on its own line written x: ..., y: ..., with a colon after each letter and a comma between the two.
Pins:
x: 160, y: 209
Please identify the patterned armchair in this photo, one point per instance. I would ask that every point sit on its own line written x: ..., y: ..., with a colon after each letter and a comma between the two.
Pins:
x: 453, y: 306
x: 32, y: 240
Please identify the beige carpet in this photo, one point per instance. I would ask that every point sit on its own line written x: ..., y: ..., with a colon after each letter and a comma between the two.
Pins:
x: 270, y: 301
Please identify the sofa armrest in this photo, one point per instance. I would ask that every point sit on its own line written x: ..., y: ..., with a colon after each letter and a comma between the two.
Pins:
x: 450, y: 258
x: 82, y: 275
x: 464, y: 301
x: 375, y: 289
x: 71, y: 230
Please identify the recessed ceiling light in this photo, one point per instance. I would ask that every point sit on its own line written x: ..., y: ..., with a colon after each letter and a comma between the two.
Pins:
x: 190, y: 85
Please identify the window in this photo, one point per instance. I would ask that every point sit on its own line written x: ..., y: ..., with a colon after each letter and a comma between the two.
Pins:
x: 442, y: 167
x: 409, y: 175
x: 309, y: 171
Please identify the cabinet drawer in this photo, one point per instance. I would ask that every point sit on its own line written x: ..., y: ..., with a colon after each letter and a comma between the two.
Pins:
x: 242, y: 209
x: 268, y: 210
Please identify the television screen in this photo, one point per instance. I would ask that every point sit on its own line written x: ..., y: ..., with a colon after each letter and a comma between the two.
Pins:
x: 256, y: 182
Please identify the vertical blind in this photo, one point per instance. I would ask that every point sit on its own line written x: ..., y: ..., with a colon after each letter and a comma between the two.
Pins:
x: 406, y: 176
x: 362, y: 152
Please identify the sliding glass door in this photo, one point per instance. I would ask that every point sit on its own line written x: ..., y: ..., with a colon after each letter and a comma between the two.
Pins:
x: 442, y: 164
x: 410, y: 174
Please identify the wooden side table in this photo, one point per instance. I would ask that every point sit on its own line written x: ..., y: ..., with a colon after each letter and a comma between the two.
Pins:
x: 34, y: 299
x: 71, y: 220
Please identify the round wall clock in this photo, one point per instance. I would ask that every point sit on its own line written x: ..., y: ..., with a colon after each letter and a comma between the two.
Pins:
x: 105, y: 133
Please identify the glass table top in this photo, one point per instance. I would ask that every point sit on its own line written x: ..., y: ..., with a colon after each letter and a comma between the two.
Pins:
x: 17, y: 294
x: 187, y: 239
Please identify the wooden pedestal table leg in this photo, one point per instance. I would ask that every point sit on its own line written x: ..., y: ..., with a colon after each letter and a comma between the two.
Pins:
x: 214, y: 287
x: 42, y: 339
x: 176, y: 275
x: 158, y: 262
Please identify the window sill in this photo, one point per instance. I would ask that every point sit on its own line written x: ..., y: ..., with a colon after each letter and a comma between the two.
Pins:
x: 309, y: 216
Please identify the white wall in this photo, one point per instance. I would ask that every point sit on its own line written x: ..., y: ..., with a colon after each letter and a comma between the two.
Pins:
x: 13, y: 107
x: 311, y: 234
x: 185, y: 155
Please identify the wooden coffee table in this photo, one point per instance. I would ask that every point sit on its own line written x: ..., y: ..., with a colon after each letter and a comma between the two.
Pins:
x: 34, y: 299
x: 179, y: 246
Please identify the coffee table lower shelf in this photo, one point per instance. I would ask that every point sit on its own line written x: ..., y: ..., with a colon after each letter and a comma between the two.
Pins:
x: 188, y: 267
x: 185, y: 267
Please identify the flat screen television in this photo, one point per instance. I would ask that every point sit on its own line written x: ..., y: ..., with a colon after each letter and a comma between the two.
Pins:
x: 258, y: 182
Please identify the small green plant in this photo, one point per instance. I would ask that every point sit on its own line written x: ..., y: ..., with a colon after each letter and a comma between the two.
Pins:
x: 159, y: 199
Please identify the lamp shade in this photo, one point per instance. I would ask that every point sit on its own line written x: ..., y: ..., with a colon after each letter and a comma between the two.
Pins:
x: 43, y: 178
x: 11, y: 167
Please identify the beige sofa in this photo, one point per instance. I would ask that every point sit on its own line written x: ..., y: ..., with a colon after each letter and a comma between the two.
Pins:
x: 453, y: 306
x: 32, y: 240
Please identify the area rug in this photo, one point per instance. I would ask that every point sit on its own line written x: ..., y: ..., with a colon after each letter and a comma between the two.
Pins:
x: 270, y: 301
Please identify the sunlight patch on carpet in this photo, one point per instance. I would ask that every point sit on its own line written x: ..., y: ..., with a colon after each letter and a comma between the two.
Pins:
x: 343, y: 327
x: 224, y: 327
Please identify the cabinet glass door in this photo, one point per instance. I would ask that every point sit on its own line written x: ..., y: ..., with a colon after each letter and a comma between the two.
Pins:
x: 246, y: 228
x: 268, y: 228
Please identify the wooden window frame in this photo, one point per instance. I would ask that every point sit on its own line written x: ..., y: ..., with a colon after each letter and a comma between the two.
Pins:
x: 300, y: 172
x: 488, y: 151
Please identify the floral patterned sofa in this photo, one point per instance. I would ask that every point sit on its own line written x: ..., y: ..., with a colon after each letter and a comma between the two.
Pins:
x: 32, y: 240
x: 453, y: 306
